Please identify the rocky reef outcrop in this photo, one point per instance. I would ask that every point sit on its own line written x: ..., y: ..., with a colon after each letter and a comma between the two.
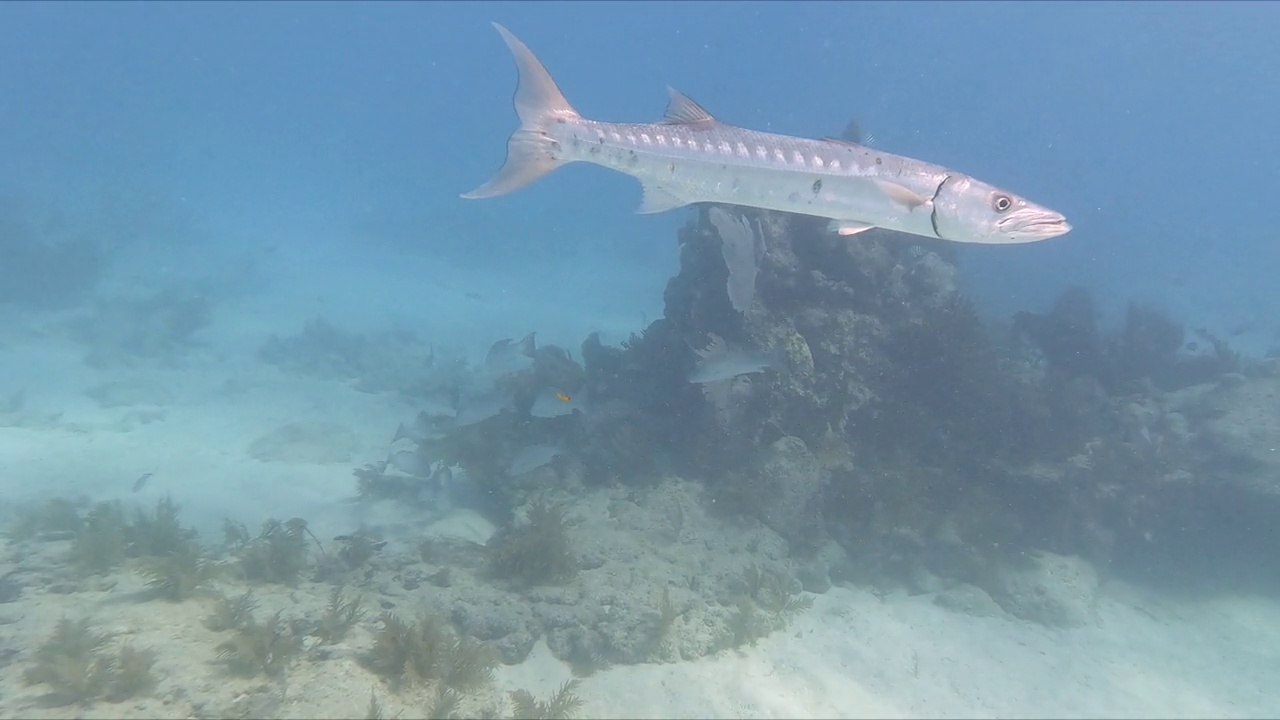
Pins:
x: 838, y: 401
x: 933, y: 445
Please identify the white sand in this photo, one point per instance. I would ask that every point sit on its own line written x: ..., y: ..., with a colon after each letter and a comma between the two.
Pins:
x: 852, y: 655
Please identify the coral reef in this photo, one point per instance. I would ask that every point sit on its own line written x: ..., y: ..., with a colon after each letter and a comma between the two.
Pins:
x: 1149, y: 346
x: 871, y: 427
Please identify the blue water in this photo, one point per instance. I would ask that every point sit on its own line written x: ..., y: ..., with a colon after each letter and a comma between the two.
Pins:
x: 306, y: 159
x: 355, y: 126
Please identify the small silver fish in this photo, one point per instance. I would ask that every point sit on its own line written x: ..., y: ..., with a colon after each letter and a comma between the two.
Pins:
x: 719, y: 361
x: 531, y: 458
x: 428, y: 425
x: 410, y: 462
x: 141, y: 482
x: 478, y: 407
x: 509, y: 356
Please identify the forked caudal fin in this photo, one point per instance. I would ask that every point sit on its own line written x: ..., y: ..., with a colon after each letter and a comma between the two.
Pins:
x: 530, y: 153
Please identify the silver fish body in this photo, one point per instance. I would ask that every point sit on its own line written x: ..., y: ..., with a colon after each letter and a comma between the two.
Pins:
x: 719, y: 362
x: 691, y: 157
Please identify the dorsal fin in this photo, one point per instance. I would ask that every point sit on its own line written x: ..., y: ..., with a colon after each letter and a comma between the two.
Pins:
x: 853, y: 133
x: 683, y: 111
x: 841, y: 141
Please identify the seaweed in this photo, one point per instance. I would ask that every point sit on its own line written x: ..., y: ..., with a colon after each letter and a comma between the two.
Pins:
x: 765, y: 605
x: 339, y: 617
x: 414, y: 653
x: 357, y: 549
x: 106, y: 538
x: 57, y: 515
x: 74, y: 665
x: 131, y: 673
x: 265, y: 649
x: 70, y: 663
x: 445, y: 702
x: 102, y: 542
x: 229, y: 613
x: 368, y: 479
x: 562, y: 704
x: 279, y: 553
x: 158, y: 533
x: 667, y: 614
x: 374, y: 712
x: 234, y: 535
x: 178, y: 574
x: 745, y: 624
x: 537, y: 552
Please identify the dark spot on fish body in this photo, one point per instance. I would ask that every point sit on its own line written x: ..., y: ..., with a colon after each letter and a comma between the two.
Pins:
x: 793, y: 197
x: 671, y: 168
x: 817, y: 186
x: 879, y: 161
x: 560, y: 121
x: 632, y: 157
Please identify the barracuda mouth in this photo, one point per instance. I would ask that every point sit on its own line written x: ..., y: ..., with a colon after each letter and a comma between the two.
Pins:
x: 1031, y: 224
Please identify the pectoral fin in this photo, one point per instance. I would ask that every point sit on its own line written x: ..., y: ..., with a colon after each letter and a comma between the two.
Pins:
x: 848, y: 227
x: 901, y: 195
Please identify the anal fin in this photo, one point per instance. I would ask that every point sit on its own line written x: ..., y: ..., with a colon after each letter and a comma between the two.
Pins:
x: 659, y: 199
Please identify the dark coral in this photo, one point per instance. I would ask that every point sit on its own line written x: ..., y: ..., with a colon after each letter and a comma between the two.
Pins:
x: 1148, y: 346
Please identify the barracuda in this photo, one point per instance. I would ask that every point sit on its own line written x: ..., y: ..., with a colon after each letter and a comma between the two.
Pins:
x: 691, y: 157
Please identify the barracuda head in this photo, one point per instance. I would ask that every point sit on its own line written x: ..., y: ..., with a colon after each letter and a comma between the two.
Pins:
x: 969, y: 210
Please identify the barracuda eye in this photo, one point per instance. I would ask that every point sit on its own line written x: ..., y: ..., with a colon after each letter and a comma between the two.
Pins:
x: 1002, y: 203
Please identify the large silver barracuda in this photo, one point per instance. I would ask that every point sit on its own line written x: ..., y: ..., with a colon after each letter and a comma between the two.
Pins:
x: 691, y: 157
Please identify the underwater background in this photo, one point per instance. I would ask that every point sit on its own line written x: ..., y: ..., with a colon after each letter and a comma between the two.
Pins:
x: 289, y: 429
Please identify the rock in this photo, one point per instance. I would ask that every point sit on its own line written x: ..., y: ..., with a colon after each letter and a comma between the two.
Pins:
x: 1053, y: 590
x: 306, y: 442
x: 968, y: 599
x: 786, y: 482
x: 119, y: 393
x: 509, y: 627
x: 1243, y: 429
x: 814, y: 575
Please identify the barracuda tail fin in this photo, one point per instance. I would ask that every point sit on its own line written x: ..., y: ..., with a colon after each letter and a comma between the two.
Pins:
x: 539, y: 103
